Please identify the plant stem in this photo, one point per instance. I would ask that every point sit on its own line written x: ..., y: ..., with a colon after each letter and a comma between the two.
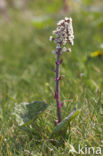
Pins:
x: 58, y: 84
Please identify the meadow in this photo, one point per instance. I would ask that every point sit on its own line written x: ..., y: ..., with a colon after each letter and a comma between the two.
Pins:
x: 26, y: 75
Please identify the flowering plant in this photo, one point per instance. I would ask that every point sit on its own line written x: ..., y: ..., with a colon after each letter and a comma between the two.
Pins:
x: 62, y: 36
x: 27, y: 113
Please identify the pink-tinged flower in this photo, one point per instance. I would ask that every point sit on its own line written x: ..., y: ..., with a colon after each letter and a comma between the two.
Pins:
x: 63, y: 34
x: 56, y: 96
x: 56, y: 122
x: 61, y: 104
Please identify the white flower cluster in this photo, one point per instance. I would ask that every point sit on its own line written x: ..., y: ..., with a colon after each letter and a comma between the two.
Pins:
x: 63, y: 34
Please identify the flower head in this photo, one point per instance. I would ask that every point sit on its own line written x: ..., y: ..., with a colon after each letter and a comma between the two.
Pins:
x: 63, y: 34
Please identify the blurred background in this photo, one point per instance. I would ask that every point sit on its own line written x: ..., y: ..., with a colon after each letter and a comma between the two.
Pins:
x: 38, y: 7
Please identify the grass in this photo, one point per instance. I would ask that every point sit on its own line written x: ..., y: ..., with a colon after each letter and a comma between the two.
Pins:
x: 26, y: 74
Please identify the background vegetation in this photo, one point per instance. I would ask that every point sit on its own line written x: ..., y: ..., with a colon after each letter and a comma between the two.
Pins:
x: 26, y: 74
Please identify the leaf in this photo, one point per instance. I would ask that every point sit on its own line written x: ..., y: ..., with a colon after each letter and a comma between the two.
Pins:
x: 28, y: 112
x: 61, y: 128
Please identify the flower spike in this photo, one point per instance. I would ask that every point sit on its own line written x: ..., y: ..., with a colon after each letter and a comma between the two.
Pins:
x: 63, y: 33
x: 62, y: 36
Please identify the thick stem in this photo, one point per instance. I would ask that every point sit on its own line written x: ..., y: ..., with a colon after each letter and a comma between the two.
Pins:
x: 58, y: 85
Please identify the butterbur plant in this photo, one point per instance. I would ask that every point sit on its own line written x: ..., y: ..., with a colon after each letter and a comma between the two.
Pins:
x: 27, y: 113
x: 62, y: 36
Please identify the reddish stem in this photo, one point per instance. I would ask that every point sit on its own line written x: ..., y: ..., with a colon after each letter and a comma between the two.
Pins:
x: 57, y: 92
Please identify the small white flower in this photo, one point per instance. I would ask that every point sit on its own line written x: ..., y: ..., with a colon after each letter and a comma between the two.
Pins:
x: 60, y: 22
x: 58, y: 40
x: 72, y: 36
x: 70, y: 19
x: 54, y: 32
x: 51, y: 38
x: 64, y: 42
x: 69, y: 50
x: 58, y: 46
x: 64, y: 49
x: 66, y: 18
x: 72, y: 43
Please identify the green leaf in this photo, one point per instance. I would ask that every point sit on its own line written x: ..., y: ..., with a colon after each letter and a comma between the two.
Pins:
x: 61, y: 128
x: 26, y: 113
